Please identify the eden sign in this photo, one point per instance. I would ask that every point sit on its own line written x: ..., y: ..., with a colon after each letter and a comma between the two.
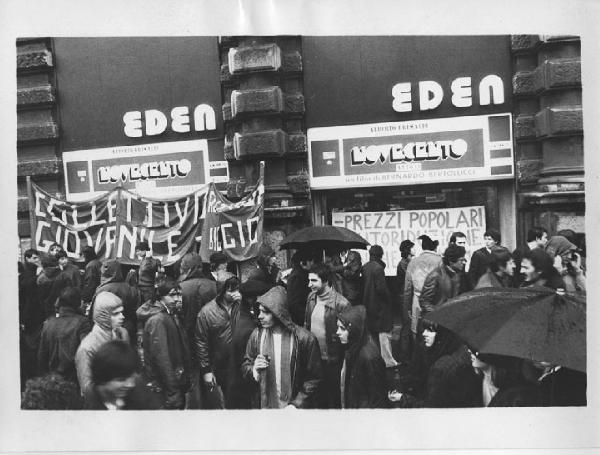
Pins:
x: 431, y: 93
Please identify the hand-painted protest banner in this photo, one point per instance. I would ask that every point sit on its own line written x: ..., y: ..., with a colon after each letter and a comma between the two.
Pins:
x: 389, y: 229
x: 234, y: 228
x: 114, y: 222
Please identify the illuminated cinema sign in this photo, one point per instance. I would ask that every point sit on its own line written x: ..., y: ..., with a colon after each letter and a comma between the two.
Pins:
x: 452, y: 149
x: 159, y: 170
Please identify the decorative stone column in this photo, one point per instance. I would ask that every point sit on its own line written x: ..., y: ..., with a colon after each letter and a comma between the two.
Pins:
x: 37, y: 129
x: 263, y: 111
x: 548, y: 130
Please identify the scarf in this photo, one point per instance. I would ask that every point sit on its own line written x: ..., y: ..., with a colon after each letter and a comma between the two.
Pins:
x: 271, y: 397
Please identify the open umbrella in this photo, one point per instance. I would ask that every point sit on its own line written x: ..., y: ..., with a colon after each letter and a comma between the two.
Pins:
x: 324, y: 237
x: 530, y: 323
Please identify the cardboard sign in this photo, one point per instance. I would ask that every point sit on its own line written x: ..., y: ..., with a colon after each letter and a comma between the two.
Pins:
x: 402, y: 153
x: 389, y: 229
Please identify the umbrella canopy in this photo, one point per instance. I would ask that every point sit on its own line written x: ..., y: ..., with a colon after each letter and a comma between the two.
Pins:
x: 324, y: 237
x: 530, y: 323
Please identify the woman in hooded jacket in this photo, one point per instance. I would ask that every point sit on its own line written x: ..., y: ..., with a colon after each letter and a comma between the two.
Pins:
x: 449, y: 379
x: 108, y: 325
x: 363, y: 381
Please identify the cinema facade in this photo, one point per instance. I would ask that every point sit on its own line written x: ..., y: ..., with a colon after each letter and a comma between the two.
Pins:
x: 389, y: 136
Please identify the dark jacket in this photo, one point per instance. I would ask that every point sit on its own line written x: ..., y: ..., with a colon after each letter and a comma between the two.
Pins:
x: 72, y: 271
x: 91, y: 279
x: 31, y: 309
x: 352, y: 280
x: 149, y: 267
x: 334, y: 304
x: 441, y: 284
x: 306, y: 367
x: 60, y: 339
x: 480, y: 261
x: 50, y: 282
x: 239, y: 392
x: 450, y: 383
x: 196, y: 291
x: 167, y: 357
x: 376, y: 297
x: 213, y: 336
x: 297, y: 291
x: 365, y: 380
x: 563, y: 387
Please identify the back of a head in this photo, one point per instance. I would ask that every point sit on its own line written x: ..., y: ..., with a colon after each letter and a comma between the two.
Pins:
x: 49, y: 261
x: 499, y: 257
x: 217, y: 259
x: 111, y: 270
x: 427, y: 243
x: 376, y: 251
x: 453, y: 253
x: 89, y: 253
x: 142, y: 246
x: 69, y: 297
x: 114, y: 359
x: 51, y: 392
x: 189, y: 261
x: 405, y: 248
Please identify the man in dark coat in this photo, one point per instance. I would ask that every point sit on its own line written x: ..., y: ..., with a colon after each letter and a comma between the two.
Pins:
x: 50, y: 282
x: 213, y: 335
x: 281, y: 344
x: 297, y: 285
x: 352, y: 280
x: 31, y: 313
x: 61, y: 336
x: 69, y: 269
x: 363, y: 380
x: 266, y: 270
x: 147, y: 272
x: 444, y: 281
x: 166, y: 351
x: 196, y: 290
x: 91, y: 275
x: 480, y: 260
x: 378, y: 301
x: 239, y: 392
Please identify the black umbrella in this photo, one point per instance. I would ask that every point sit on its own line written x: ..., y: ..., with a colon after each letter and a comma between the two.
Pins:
x: 324, y: 237
x: 531, y: 323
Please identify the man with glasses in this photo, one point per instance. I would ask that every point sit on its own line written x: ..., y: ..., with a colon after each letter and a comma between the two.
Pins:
x: 166, y: 351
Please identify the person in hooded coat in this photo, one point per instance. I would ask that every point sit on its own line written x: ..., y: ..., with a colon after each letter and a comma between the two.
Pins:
x: 292, y: 377
x: 363, y: 380
x: 108, y: 325
x: 352, y: 280
x: 112, y: 281
x: 445, y: 370
x: 266, y: 270
x: 239, y: 392
x: 92, y: 274
x: 568, y: 263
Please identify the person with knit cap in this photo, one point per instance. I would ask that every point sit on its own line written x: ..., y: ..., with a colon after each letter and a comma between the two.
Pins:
x: 416, y: 272
x: 213, y: 335
x: 282, y: 361
x: 167, y: 363
x: 362, y: 379
x: 108, y: 325
x: 117, y: 384
x: 266, y: 270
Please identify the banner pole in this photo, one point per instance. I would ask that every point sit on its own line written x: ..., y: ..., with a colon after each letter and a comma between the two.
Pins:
x: 32, y: 223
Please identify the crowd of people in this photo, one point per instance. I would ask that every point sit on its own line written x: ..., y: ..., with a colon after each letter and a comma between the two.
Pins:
x: 331, y: 333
